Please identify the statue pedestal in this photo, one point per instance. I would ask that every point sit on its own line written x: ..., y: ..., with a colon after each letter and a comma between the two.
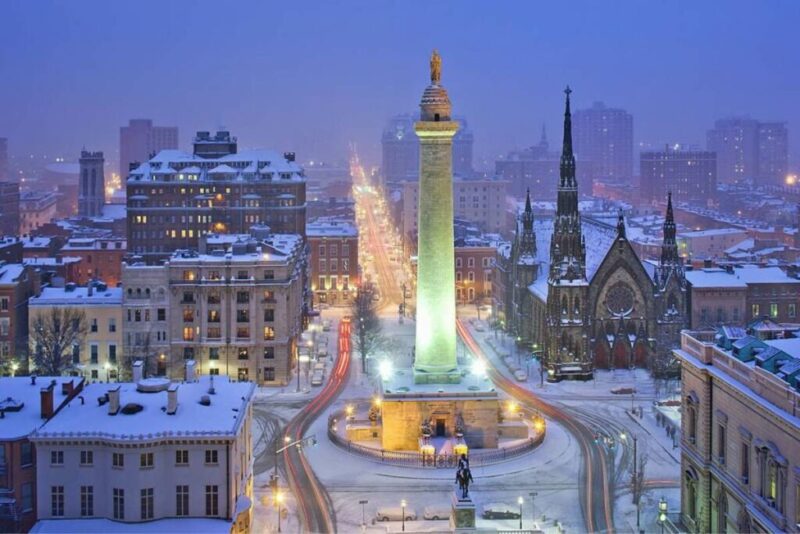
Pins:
x: 462, y: 517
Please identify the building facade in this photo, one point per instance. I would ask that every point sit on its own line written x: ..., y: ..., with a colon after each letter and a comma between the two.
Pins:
x: 101, y: 258
x: 140, y: 140
x: 474, y: 270
x: 92, y: 184
x: 99, y: 354
x: 773, y: 154
x: 740, y: 438
x: 175, y: 198
x: 604, y: 136
x: 236, y: 310
x: 27, y: 403
x: 691, y: 175
x: 17, y: 285
x: 35, y: 209
x: 750, y: 150
x: 333, y: 261
x: 9, y: 208
x: 4, y: 170
x: 150, y: 450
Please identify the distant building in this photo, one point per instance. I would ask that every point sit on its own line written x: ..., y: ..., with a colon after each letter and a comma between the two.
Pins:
x: 147, y: 451
x: 691, y: 175
x: 9, y: 208
x: 604, y: 136
x: 5, y: 173
x: 91, y: 184
x: 65, y: 179
x: 481, y: 202
x: 535, y: 167
x: 333, y: 271
x: 709, y: 244
x: 175, y: 198
x: 749, y: 150
x: 740, y: 439
x: 36, y: 208
x: 737, y: 295
x: 101, y: 258
x: 27, y: 403
x: 99, y: 356
x: 474, y: 270
x: 17, y: 285
x: 235, y: 308
x: 140, y: 141
x: 400, y: 150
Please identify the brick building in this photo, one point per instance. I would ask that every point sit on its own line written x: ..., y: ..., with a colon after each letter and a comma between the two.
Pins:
x: 333, y: 260
x: 101, y: 258
x: 17, y: 285
x: 474, y: 268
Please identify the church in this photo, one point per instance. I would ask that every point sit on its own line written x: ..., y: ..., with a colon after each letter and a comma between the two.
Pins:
x: 577, y: 294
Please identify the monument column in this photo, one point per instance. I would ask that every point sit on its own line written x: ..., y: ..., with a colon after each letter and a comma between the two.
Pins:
x: 436, y: 301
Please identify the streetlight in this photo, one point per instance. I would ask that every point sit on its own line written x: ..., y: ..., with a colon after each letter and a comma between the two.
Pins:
x: 519, y: 502
x: 662, y: 513
x: 403, y: 506
x: 363, y: 513
x: 634, y: 476
x: 533, y: 495
x: 107, y: 367
x: 14, y: 367
x: 278, y: 503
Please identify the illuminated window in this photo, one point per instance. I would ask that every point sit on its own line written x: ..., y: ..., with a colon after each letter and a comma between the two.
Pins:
x: 188, y: 333
x: 269, y: 333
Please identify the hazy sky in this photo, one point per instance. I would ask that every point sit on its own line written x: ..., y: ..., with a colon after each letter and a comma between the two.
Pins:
x: 312, y: 76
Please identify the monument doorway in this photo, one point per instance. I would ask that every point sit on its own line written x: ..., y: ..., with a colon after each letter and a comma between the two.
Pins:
x: 440, y: 428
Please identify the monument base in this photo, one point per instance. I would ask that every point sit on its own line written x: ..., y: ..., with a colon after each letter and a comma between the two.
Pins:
x: 469, y: 408
x: 437, y: 377
x: 462, y: 516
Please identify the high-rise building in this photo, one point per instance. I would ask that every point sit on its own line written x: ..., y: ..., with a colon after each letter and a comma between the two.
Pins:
x: 535, y: 167
x: 140, y: 140
x: 691, y: 175
x: 773, y: 153
x: 4, y: 172
x: 92, y: 184
x: 604, y: 137
x: 175, y: 198
x: 401, y: 150
x: 9, y: 208
x: 750, y: 150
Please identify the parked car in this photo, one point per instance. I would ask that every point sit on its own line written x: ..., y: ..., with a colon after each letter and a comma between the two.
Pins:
x: 436, y: 512
x: 317, y: 379
x: 395, y: 513
x: 520, y: 375
x: 499, y: 511
x: 326, y: 325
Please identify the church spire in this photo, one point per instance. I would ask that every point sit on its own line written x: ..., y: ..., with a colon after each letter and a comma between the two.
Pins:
x: 528, y: 208
x: 543, y: 139
x: 567, y: 156
x: 528, y: 238
x: 669, y: 247
x: 620, y: 224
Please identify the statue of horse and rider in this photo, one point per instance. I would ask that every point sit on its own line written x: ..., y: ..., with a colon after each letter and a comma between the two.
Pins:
x: 463, y: 476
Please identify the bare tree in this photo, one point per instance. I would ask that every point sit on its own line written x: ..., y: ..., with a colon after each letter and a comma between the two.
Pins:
x: 637, y: 479
x: 142, y: 349
x: 53, y: 335
x: 367, y: 323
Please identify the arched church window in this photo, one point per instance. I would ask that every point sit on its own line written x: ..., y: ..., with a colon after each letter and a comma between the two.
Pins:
x: 563, y: 305
x: 620, y: 299
x: 577, y: 305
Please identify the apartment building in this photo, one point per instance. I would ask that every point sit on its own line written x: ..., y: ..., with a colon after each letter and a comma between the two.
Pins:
x: 333, y: 261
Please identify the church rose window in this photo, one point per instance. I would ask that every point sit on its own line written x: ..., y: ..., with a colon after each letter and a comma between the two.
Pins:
x: 619, y: 299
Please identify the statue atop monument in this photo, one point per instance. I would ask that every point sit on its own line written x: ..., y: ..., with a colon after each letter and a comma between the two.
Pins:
x: 436, y: 68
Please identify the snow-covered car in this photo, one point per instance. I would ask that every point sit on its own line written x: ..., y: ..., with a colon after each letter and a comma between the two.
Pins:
x: 436, y: 512
x: 520, y: 375
x: 326, y: 325
x: 317, y: 379
x: 479, y: 327
x: 395, y: 513
x: 499, y: 511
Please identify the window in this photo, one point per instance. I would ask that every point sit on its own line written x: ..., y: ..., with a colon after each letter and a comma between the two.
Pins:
x: 334, y: 250
x: 242, y: 332
x: 345, y: 265
x: 93, y: 325
x: 243, y: 353
x: 745, y: 457
x: 736, y: 315
x: 269, y: 333
x: 269, y: 275
x: 242, y: 316
x: 334, y: 267
x: 161, y: 314
x: 213, y: 353
x: 323, y: 265
x: 791, y: 310
x: 188, y: 353
x: 212, y: 500
x: 4, y: 304
x: 470, y: 262
x: 269, y: 315
x: 773, y: 310
x: 188, y: 297
x: 87, y: 501
x: 188, y: 276
x: 56, y: 457
x: 242, y: 297
x: 269, y: 372
x: 146, y: 460
x: 182, y: 500
x: 721, y: 443
x: 117, y: 460
x: 112, y: 325
x: 458, y: 262
x: 27, y: 497
x: 57, y: 501
x: 147, y: 503
x: 345, y: 250
x: 76, y: 354
x: 118, y: 503
x: 321, y: 284
x: 87, y: 457
x: 755, y: 310
x: 182, y: 457
x: 188, y: 333
x: 242, y: 275
x: 93, y: 351
x: 458, y: 276
x: 112, y: 353
x: 269, y: 353
x: 212, y: 456
x: 26, y: 453
x: 322, y: 250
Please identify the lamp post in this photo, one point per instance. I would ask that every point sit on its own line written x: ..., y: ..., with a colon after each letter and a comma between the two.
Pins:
x: 279, y: 503
x: 662, y: 513
x: 634, y: 477
x: 363, y: 513
x: 519, y: 502
x: 533, y: 495
x: 403, y: 506
x: 107, y: 367
x: 14, y: 367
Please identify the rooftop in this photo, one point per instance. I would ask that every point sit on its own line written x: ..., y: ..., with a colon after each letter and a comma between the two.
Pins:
x: 78, y: 296
x: 187, y: 525
x: 220, y: 418
x: 11, y: 272
x: 713, y: 232
x: 21, y: 403
x: 738, y: 277
x: 329, y: 228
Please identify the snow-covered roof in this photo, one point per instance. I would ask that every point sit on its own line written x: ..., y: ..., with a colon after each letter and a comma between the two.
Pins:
x: 331, y: 228
x: 50, y: 262
x: 114, y: 211
x: 182, y: 525
x: 10, y: 272
x: 713, y: 232
x: 36, y: 242
x: 738, y: 277
x: 220, y: 418
x: 21, y: 392
x: 77, y: 296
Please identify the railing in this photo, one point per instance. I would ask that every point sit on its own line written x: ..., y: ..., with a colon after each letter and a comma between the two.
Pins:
x: 433, y: 461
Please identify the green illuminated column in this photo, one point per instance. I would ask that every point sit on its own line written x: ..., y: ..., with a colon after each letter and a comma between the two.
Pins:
x: 436, y: 301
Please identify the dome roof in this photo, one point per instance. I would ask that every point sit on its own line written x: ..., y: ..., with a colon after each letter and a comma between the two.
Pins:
x: 435, y: 102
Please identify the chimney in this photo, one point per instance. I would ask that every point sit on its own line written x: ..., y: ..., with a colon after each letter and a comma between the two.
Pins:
x: 46, y: 396
x: 191, y: 373
x: 89, y: 288
x: 172, y: 399
x: 113, y: 401
x: 66, y: 388
x: 138, y: 370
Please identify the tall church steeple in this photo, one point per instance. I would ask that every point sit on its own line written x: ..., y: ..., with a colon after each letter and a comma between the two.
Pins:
x: 567, y: 248
x: 669, y: 247
x: 527, y: 241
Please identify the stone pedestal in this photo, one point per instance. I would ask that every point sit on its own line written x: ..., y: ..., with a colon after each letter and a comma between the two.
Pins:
x: 462, y: 516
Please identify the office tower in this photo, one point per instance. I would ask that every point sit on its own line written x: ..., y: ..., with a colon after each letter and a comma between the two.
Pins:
x: 4, y: 172
x: 9, y: 208
x: 140, y: 140
x: 773, y: 153
x: 604, y: 137
x: 91, y: 185
x: 691, y: 175
x: 735, y: 140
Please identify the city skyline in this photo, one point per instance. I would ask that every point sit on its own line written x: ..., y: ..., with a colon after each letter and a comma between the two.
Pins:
x: 508, y: 87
